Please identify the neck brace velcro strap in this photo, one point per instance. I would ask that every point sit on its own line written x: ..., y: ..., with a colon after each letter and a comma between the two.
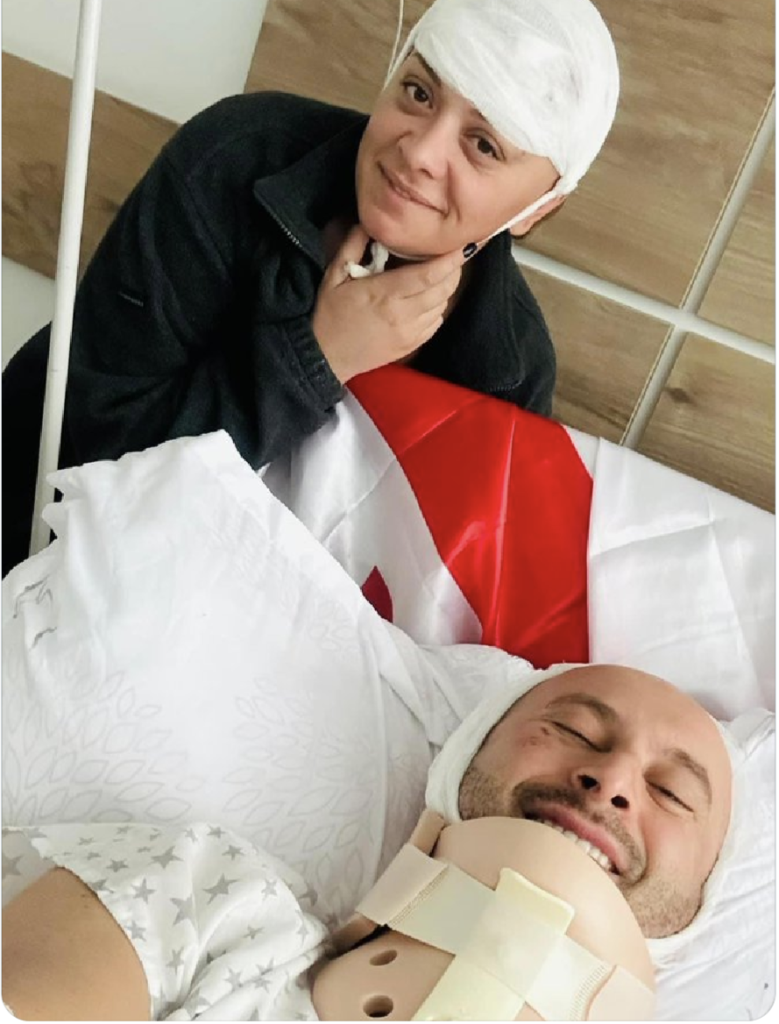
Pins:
x: 509, y: 945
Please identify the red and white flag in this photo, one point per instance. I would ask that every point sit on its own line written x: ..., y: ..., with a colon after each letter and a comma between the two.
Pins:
x: 463, y: 518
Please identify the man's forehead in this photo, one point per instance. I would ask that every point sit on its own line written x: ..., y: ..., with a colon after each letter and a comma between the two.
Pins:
x: 615, y: 690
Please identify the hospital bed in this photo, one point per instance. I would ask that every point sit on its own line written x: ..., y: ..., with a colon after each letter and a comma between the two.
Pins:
x: 138, y: 685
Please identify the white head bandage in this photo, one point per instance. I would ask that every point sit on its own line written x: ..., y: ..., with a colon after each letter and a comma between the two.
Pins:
x: 544, y: 73
x: 446, y: 772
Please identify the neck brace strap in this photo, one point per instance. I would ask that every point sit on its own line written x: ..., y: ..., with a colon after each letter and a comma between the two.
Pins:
x: 509, y: 945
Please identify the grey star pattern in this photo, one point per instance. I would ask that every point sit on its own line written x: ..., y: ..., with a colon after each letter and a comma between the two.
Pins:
x: 185, y: 907
x: 144, y: 849
x: 259, y: 980
x: 164, y: 858
x: 198, y: 1003
x: 9, y: 865
x: 143, y: 892
x: 220, y: 888
x: 233, y: 979
x: 309, y: 896
x: 176, y: 961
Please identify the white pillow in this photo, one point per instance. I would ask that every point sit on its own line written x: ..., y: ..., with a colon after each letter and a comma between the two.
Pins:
x: 722, y: 967
x: 187, y: 651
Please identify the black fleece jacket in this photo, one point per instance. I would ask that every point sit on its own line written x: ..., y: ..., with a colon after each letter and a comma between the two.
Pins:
x: 195, y: 312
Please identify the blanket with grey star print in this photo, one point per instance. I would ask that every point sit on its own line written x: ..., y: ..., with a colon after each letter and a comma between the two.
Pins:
x: 223, y: 930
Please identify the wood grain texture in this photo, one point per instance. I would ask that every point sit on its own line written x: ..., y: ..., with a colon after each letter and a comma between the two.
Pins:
x: 643, y: 215
x: 605, y: 352
x: 36, y: 105
x: 715, y: 421
x: 742, y: 295
x: 337, y: 51
x: 695, y: 79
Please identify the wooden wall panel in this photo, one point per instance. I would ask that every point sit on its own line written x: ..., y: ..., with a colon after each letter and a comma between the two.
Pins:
x: 36, y: 106
x: 644, y: 213
x: 715, y: 421
x: 337, y: 51
x: 604, y: 354
x: 742, y: 295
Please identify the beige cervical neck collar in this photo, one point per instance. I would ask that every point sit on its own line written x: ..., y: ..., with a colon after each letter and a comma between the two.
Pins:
x: 506, y: 920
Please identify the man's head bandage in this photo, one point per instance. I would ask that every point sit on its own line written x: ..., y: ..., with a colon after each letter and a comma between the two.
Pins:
x: 544, y: 73
x: 447, y: 771
x: 449, y: 767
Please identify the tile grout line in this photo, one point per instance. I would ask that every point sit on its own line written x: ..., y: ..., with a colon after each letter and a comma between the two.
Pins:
x: 654, y: 308
x: 683, y: 319
x: 703, y: 276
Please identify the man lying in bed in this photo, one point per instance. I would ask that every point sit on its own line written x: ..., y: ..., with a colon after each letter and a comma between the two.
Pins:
x: 623, y: 764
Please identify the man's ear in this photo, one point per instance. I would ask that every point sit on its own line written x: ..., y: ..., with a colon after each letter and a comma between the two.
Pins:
x: 523, y: 226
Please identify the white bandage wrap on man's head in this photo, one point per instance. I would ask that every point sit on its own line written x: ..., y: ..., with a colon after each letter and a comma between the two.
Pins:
x: 544, y: 73
x: 446, y: 772
x: 449, y: 767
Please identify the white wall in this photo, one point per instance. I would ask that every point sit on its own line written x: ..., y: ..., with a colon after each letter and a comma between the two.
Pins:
x: 173, y: 57
x: 28, y: 303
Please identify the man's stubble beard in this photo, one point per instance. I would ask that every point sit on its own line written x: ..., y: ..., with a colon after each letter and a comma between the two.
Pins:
x: 659, y: 907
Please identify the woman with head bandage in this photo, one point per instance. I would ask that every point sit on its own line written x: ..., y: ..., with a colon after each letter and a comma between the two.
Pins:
x: 542, y: 75
x: 491, y: 114
x: 237, y: 287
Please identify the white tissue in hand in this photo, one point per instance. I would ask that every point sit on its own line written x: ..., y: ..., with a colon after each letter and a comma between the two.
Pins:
x: 379, y: 257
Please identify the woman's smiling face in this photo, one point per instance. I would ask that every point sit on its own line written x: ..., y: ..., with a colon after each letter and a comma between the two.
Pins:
x: 433, y: 175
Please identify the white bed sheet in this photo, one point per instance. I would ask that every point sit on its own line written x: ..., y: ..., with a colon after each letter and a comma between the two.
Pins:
x: 147, y: 673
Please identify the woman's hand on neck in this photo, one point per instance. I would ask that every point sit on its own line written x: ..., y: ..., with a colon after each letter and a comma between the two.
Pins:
x: 334, y: 235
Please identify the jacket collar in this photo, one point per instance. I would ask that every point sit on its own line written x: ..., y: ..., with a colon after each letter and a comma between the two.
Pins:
x: 301, y: 198
x: 478, y: 341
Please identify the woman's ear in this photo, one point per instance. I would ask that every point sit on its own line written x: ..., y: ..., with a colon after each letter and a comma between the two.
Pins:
x: 523, y: 226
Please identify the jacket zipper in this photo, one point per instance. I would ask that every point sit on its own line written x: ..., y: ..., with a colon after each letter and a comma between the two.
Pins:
x: 293, y: 238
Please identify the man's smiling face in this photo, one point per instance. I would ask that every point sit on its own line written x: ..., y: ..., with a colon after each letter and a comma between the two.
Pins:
x: 628, y: 767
